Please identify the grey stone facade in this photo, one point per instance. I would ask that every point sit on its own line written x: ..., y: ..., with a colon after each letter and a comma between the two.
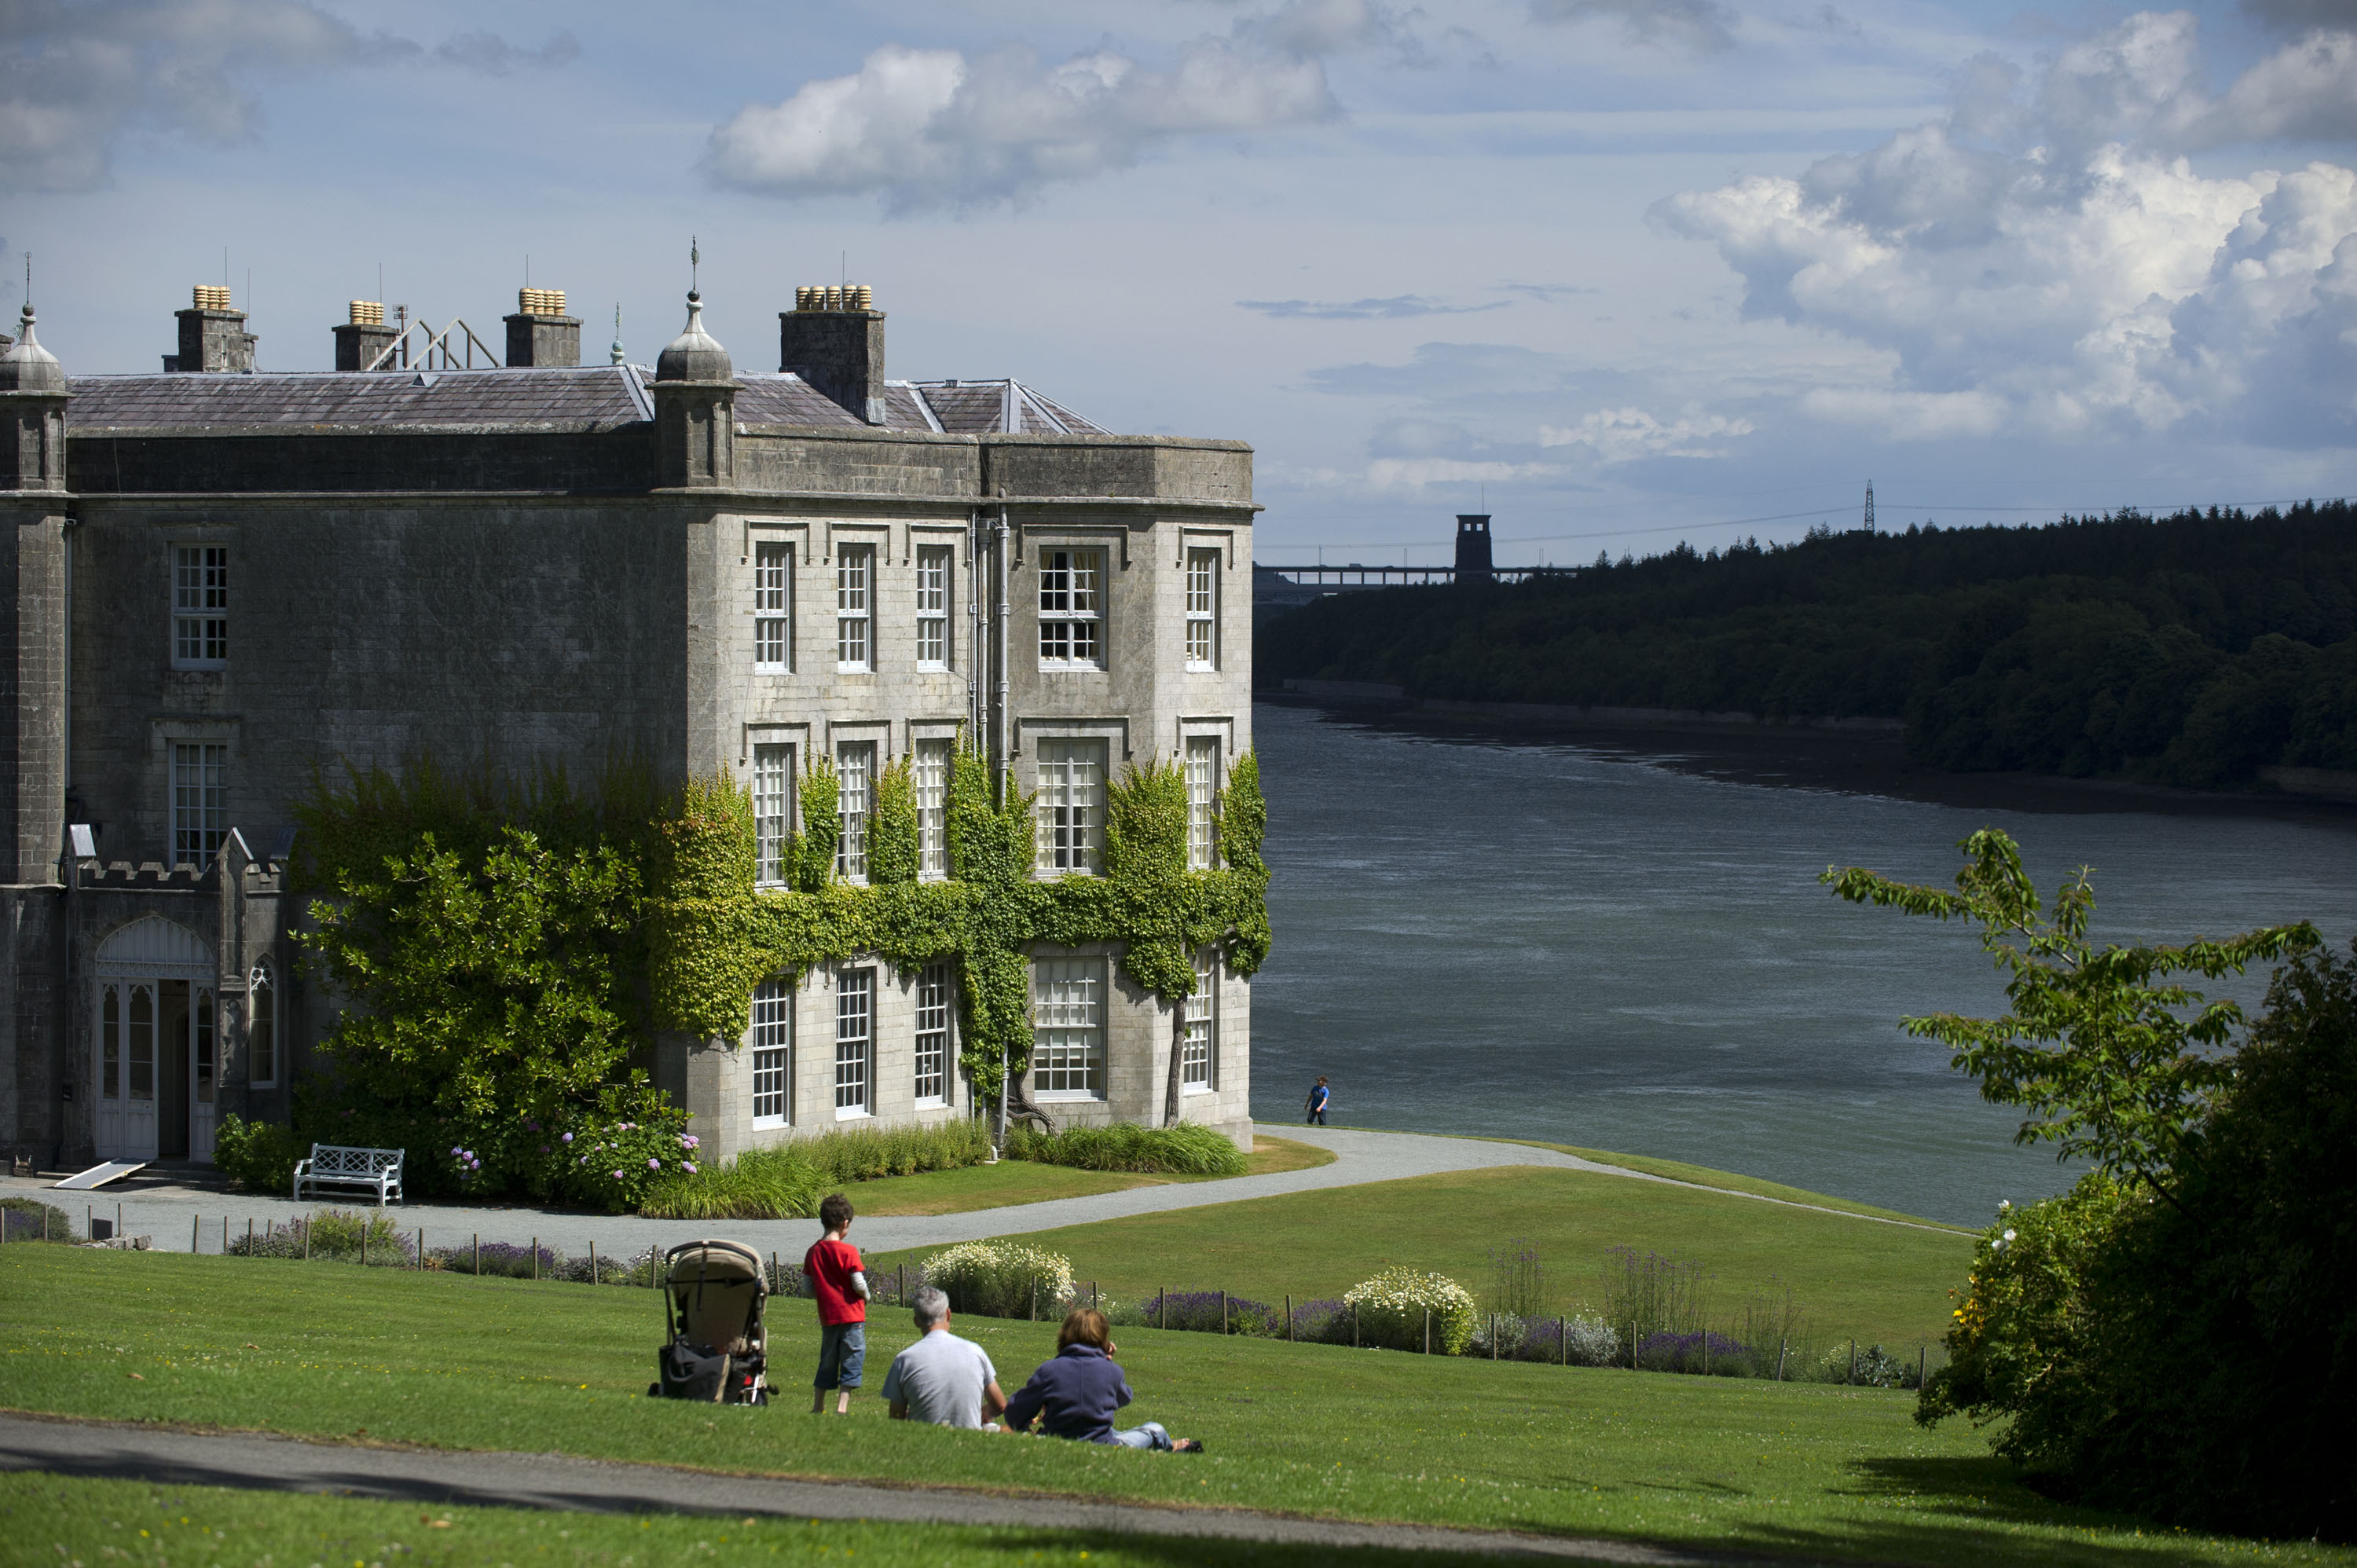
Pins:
x: 214, y: 584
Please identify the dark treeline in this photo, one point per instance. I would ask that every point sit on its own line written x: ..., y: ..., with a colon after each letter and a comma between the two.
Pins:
x: 2193, y: 649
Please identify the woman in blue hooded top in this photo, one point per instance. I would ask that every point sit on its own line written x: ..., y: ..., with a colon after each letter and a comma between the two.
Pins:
x: 1075, y: 1394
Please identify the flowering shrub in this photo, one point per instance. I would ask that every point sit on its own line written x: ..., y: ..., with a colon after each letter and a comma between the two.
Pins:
x: 1205, y: 1312
x: 24, y: 1218
x: 1700, y: 1352
x: 1391, y: 1310
x: 1592, y: 1342
x: 334, y: 1234
x: 1875, y: 1368
x: 1002, y: 1279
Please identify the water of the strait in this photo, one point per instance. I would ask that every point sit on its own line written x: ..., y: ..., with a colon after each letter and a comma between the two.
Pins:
x: 1578, y: 944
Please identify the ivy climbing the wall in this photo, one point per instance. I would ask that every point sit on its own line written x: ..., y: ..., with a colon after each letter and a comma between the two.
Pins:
x: 714, y: 937
x: 493, y: 935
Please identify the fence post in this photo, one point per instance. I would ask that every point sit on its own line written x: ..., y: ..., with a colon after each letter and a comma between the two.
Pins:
x: 1853, y: 1363
x: 1427, y: 1331
x: 1922, y: 1355
x: 1705, y: 1351
x: 364, y: 1231
x: 479, y: 1254
x: 306, y: 1240
x: 1162, y: 1308
x: 1562, y: 1343
x: 249, y: 1236
x: 1035, y: 1300
x: 1288, y: 1317
x: 1223, y: 1312
x: 1354, y: 1326
x: 193, y: 1223
x: 535, y: 1256
x: 1632, y: 1344
x: 118, y: 1231
x: 592, y: 1256
x: 1780, y: 1345
x: 118, y: 1222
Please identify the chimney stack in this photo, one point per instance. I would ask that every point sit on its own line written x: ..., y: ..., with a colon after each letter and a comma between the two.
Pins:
x: 540, y: 333
x: 1473, y: 548
x: 834, y: 339
x: 212, y: 336
x: 360, y: 340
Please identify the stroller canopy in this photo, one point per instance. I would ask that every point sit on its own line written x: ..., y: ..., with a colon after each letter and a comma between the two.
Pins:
x: 716, y: 1292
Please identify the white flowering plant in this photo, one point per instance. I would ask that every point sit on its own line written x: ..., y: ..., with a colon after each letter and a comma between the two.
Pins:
x: 1391, y: 1309
x: 1002, y: 1279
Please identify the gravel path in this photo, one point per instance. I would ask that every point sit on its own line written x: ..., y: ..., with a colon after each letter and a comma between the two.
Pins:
x: 177, y: 1215
x: 439, y: 1478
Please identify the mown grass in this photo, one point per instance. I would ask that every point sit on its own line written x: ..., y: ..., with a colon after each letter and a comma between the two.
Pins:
x: 1026, y: 1181
x: 1886, y: 1282
x: 66, y: 1520
x: 331, y: 1351
x: 1731, y: 1181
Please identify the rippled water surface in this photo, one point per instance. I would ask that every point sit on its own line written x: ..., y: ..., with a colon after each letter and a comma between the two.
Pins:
x: 1582, y: 945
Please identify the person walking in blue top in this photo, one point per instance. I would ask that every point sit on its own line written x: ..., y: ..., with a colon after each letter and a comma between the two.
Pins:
x: 1075, y: 1394
x: 1319, y: 1095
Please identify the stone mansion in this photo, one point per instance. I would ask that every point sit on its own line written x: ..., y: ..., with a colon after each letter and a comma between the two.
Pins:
x: 217, y: 579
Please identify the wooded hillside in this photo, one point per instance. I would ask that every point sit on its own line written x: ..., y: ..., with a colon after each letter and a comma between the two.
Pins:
x: 2192, y: 650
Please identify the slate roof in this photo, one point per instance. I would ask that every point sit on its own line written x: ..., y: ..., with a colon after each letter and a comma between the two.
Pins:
x: 600, y: 394
x: 546, y: 397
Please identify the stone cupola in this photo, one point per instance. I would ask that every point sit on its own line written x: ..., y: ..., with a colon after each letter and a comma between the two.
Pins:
x: 696, y: 408
x: 32, y: 414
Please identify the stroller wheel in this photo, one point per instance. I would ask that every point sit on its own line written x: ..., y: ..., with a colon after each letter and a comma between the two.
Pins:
x: 654, y: 1390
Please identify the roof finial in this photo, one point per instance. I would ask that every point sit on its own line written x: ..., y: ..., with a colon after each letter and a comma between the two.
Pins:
x: 693, y: 259
x: 620, y: 358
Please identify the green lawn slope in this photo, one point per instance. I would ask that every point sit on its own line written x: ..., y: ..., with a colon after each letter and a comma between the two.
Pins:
x: 1851, y: 1276
x: 336, y: 1352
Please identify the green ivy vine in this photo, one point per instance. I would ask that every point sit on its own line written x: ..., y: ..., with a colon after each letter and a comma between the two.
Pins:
x: 712, y: 936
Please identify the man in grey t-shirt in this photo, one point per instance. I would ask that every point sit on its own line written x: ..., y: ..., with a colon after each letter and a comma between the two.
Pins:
x: 942, y: 1379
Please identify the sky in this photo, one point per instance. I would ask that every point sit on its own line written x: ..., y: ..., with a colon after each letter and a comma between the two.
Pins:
x: 1620, y: 272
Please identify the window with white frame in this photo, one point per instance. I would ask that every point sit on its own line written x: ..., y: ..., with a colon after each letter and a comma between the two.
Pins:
x: 931, y: 770
x: 1202, y: 609
x: 1071, y: 609
x: 1199, y: 1050
x: 934, y: 1010
x: 200, y: 605
x: 204, y: 1048
x: 932, y: 606
x: 773, y: 1025
x: 1068, y: 1037
x: 855, y: 797
x: 1070, y: 805
x: 855, y: 1040
x: 855, y: 600
x: 1202, y: 802
x: 1198, y: 1053
x: 199, y: 801
x: 261, y: 1027
x: 773, y: 773
x: 773, y: 607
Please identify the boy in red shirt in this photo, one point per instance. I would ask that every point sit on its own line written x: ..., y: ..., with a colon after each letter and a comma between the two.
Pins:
x: 839, y: 1283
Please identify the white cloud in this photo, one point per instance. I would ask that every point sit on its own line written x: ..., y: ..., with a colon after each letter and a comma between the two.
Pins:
x: 1625, y: 435
x: 1703, y: 25
x: 1415, y: 472
x: 2050, y: 263
x: 76, y: 79
x: 942, y: 128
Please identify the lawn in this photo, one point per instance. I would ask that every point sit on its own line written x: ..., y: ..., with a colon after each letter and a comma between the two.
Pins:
x: 386, y: 1355
x: 1026, y: 1181
x: 76, y: 1519
x: 1886, y: 1282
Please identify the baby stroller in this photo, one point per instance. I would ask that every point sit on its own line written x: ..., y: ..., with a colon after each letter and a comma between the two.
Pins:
x: 715, y: 1291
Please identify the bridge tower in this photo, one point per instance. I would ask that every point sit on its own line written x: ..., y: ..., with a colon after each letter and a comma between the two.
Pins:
x: 1473, y: 548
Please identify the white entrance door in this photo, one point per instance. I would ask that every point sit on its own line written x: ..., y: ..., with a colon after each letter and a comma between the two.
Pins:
x: 137, y: 967
x: 126, y: 1070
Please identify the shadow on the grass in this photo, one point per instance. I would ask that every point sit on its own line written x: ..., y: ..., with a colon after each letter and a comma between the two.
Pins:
x: 1970, y: 1509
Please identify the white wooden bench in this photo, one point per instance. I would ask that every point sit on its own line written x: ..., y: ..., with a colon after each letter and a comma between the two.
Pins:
x: 348, y: 1165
